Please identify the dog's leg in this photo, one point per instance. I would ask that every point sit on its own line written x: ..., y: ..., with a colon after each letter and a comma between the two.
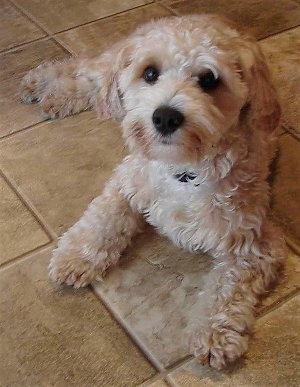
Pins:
x: 236, y: 285
x: 63, y: 88
x: 97, y: 240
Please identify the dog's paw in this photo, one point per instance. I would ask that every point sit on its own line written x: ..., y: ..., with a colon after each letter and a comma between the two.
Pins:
x: 53, y: 106
x: 72, y: 269
x: 220, y: 347
x: 29, y: 90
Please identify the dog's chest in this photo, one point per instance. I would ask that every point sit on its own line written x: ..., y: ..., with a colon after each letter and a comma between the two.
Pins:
x: 180, y: 207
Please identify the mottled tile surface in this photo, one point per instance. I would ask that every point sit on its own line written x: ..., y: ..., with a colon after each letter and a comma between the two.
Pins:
x: 156, y: 291
x: 286, y: 187
x: 159, y: 302
x: 52, y: 337
x: 58, y: 15
x: 14, y: 65
x: 272, y: 360
x: 261, y: 17
x: 283, y: 55
x: 19, y: 230
x: 62, y: 165
x: 288, y: 283
x: 15, y: 28
x: 88, y: 38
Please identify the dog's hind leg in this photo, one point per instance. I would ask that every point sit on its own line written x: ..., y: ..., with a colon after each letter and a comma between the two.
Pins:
x: 63, y: 88
x: 234, y: 289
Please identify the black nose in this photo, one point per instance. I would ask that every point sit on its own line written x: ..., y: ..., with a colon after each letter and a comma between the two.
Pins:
x: 166, y: 119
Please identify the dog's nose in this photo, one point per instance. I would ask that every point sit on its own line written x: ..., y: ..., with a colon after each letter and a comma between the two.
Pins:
x: 167, y: 119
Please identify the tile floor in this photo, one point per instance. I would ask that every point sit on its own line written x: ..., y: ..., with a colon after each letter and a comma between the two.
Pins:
x: 128, y: 330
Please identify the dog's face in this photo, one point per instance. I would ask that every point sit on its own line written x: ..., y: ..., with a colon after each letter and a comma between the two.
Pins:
x: 182, y: 84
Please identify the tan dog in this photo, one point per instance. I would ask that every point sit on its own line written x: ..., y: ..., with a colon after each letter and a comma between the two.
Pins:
x: 198, y: 114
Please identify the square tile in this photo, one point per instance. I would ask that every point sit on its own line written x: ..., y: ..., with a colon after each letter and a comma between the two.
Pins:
x: 60, y: 337
x: 20, y: 232
x: 272, y: 359
x: 63, y: 164
x: 261, y: 17
x: 90, y: 38
x: 282, y: 53
x: 14, y: 65
x: 159, y: 298
x: 158, y: 302
x: 58, y: 15
x: 286, y: 188
x: 15, y: 28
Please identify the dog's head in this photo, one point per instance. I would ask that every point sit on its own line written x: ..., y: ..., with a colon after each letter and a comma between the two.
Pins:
x: 181, y: 84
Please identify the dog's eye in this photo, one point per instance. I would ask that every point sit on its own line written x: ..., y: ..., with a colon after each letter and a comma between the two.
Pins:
x: 150, y: 74
x: 208, y: 81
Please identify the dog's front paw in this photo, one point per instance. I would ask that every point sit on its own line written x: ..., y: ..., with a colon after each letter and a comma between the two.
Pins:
x: 72, y: 269
x: 220, y: 347
x: 29, y: 92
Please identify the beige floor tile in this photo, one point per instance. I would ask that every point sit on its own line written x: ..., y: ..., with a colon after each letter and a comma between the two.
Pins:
x: 286, y: 188
x: 157, y: 383
x: 62, y: 165
x: 156, y: 291
x: 19, y: 230
x: 282, y: 52
x: 58, y: 15
x: 159, y: 302
x: 288, y: 283
x: 272, y: 360
x: 52, y: 337
x: 261, y: 17
x: 86, y: 38
x: 14, y: 64
x: 15, y: 28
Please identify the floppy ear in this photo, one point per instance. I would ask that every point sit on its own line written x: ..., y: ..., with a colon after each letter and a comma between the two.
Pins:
x: 263, y: 107
x: 108, y: 103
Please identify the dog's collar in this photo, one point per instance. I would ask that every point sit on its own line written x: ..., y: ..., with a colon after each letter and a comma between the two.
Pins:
x: 185, y: 177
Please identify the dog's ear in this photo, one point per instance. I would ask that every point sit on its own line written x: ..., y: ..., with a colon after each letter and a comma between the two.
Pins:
x: 263, y: 108
x: 108, y: 103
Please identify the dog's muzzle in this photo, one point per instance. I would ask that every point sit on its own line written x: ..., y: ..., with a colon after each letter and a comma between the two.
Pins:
x: 167, y: 119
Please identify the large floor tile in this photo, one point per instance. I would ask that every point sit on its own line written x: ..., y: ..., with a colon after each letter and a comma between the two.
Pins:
x: 261, y: 17
x: 14, y: 64
x: 58, y: 15
x: 19, y: 230
x: 52, y: 337
x: 272, y: 360
x: 62, y: 165
x: 286, y: 187
x: 159, y: 302
x: 86, y: 38
x: 15, y: 28
x: 156, y: 292
x: 282, y: 52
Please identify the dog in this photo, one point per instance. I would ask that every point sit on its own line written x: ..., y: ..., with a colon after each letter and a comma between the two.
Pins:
x: 199, y: 115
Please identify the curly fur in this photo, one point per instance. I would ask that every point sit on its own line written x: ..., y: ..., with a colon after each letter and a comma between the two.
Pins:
x: 226, y: 141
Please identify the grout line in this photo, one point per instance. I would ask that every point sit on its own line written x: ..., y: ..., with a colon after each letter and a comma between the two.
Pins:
x: 169, y: 8
x: 277, y: 304
x: 29, y: 205
x: 278, y: 33
x: 22, y: 45
x: 27, y: 15
x: 51, y: 34
x: 148, y: 354
x: 293, y: 132
x: 158, y: 377
x: 29, y: 128
x: 23, y: 257
x: 31, y: 17
x: 292, y: 245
